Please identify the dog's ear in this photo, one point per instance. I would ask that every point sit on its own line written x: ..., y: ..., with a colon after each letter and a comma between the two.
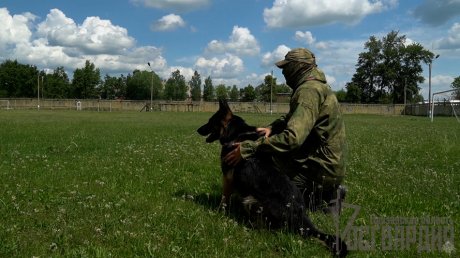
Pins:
x: 224, y: 107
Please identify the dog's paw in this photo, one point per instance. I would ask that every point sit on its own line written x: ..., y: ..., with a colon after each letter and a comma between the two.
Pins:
x: 223, y: 207
x: 224, y: 204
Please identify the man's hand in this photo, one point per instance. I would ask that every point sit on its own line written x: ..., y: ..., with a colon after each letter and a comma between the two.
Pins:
x: 264, y: 131
x: 233, y: 157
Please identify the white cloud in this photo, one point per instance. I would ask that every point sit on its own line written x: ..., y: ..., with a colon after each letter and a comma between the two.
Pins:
x: 438, y: 83
x: 38, y: 52
x: 408, y: 42
x: 168, y: 23
x: 187, y: 72
x: 129, y: 60
x: 178, y: 5
x: 93, y: 36
x: 338, y: 51
x: 226, y: 67
x: 304, y: 37
x: 241, y: 42
x: 59, y: 41
x: 254, y: 79
x: 331, y: 80
x: 441, y: 81
x: 270, y: 58
x: 299, y: 13
x: 336, y: 58
x: 14, y: 29
x: 452, y: 41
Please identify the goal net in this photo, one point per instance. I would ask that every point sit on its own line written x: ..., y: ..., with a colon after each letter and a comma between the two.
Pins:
x: 446, y: 103
x: 5, y: 104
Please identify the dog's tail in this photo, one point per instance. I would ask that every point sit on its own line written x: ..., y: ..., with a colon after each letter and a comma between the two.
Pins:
x: 336, y: 245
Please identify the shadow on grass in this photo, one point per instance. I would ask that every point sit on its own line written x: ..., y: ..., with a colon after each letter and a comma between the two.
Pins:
x: 211, y: 201
x: 237, y: 213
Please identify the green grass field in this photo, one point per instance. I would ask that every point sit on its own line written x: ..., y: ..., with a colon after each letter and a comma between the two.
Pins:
x: 86, y: 184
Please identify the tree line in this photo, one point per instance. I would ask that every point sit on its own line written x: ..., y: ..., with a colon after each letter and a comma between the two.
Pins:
x: 26, y: 81
x: 388, y: 71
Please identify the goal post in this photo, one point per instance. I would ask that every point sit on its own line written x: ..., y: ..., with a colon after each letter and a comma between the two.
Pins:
x: 449, y: 99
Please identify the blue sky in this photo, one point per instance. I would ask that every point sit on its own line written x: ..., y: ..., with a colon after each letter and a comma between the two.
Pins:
x: 235, y: 42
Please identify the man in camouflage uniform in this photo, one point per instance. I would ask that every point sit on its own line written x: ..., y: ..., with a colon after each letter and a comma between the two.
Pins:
x: 308, y: 143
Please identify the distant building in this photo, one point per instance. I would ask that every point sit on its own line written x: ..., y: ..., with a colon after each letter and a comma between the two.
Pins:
x: 283, y: 97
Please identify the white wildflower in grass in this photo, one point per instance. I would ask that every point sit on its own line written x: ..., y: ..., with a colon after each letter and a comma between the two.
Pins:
x: 98, y: 230
x: 448, y: 248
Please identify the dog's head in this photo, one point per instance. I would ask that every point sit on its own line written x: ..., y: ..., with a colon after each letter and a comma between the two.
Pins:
x: 214, y: 128
x: 226, y: 127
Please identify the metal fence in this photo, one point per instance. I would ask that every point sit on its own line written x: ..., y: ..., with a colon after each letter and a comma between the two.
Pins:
x: 439, y: 109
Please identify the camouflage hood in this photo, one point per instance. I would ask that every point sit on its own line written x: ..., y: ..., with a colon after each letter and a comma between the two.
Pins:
x: 296, y: 73
x: 299, y: 66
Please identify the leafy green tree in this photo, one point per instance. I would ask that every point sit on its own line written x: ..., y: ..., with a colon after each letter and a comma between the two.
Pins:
x: 456, y: 86
x: 366, y: 77
x: 114, y: 87
x: 386, y: 68
x: 282, y: 88
x: 221, y: 92
x: 195, y: 86
x: 268, y: 86
x: 57, y: 84
x: 18, y: 80
x: 249, y: 93
x: 120, y: 88
x: 208, y: 90
x: 110, y: 87
x: 417, y: 99
x: 155, y: 85
x: 139, y: 85
x: 234, y: 93
x: 85, y: 81
x: 176, y: 88
x: 354, y: 93
x: 341, y: 95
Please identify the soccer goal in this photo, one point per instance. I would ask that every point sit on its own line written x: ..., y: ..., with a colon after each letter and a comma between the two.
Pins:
x: 445, y: 103
x: 5, y: 104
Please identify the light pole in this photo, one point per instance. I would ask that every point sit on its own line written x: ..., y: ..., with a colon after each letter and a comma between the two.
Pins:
x: 151, y: 89
x: 38, y: 90
x: 429, y: 86
x: 271, y: 93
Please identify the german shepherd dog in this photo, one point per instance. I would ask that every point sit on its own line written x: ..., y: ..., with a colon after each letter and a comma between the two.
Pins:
x: 280, y: 201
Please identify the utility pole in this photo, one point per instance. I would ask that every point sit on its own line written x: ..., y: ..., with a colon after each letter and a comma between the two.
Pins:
x: 38, y: 91
x: 429, y: 87
x: 271, y: 93
x: 151, y: 89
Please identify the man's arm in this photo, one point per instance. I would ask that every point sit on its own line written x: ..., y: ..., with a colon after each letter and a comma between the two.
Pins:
x: 297, y: 129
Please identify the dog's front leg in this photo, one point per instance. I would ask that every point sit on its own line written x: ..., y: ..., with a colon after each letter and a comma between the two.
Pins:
x: 227, y: 183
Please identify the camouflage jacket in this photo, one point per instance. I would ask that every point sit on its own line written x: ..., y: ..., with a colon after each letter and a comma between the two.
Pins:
x: 309, y: 141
